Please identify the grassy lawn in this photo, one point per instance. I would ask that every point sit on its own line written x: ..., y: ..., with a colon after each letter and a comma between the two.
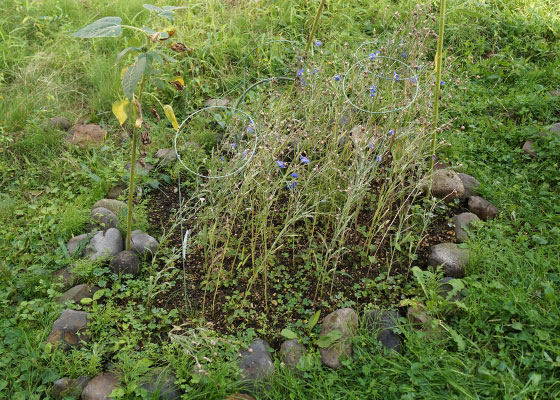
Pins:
x: 322, y: 216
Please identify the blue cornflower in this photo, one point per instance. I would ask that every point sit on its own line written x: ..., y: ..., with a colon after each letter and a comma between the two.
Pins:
x: 300, y: 72
x: 403, y: 55
x: 234, y: 145
x: 379, y: 158
x: 291, y: 185
x: 318, y: 43
x: 302, y: 82
x: 294, y: 175
x: 304, y: 160
x: 391, y: 132
x: 280, y: 164
x: 222, y: 158
x: 372, y: 56
x: 412, y: 79
x: 250, y: 129
x: 314, y: 72
x: 244, y: 153
x: 442, y: 83
x: 397, y: 76
x: 373, y: 90
x: 337, y: 77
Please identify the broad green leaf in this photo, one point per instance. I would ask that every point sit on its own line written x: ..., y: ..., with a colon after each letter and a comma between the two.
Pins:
x: 329, y: 339
x: 151, y: 7
x: 104, y: 27
x: 171, y: 116
x: 133, y: 75
x: 168, y: 58
x: 119, y: 110
x: 457, y: 338
x: 99, y: 294
x: 123, y: 53
x: 313, y: 321
x: 149, y: 30
x: 86, y: 300
x: 156, y: 56
x: 288, y: 334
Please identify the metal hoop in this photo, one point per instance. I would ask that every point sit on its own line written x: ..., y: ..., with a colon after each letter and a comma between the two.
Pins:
x: 359, y: 62
x: 230, y: 173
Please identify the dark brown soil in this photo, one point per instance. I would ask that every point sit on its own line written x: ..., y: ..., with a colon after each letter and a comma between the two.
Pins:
x: 267, y: 311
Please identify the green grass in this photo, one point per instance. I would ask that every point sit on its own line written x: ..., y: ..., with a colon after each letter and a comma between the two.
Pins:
x: 501, y: 60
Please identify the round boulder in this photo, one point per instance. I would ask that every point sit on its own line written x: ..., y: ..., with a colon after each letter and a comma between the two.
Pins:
x: 470, y: 184
x: 290, y: 352
x: 104, y: 218
x: 126, y: 262
x: 453, y: 259
x: 446, y: 185
x: 67, y: 330
x: 142, y: 243
x: 482, y: 208
x: 344, y: 320
x: 105, y: 244
x: 100, y: 387
x: 461, y: 221
x: 255, y: 363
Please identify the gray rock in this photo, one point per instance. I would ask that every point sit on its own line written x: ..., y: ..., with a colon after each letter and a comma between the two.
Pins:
x: 100, y: 387
x: 344, y: 320
x: 528, y: 148
x: 142, y: 243
x: 255, y: 363
x: 116, y: 206
x: 217, y: 102
x: 446, y: 185
x: 59, y: 123
x: 470, y: 184
x: 161, y: 383
x: 290, y: 352
x: 87, y: 135
x: 554, y: 128
x: 77, y: 245
x: 104, y: 218
x: 66, y: 388
x: 166, y: 156
x: 65, y: 276
x: 68, y: 329
x: 105, y: 244
x: 554, y: 93
x: 461, y: 221
x: 451, y: 257
x: 140, y: 169
x: 383, y: 324
x: 126, y: 262
x: 116, y: 191
x: 77, y: 293
x: 482, y: 208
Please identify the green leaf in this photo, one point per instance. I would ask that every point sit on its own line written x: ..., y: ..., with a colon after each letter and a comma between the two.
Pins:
x: 457, y: 338
x: 123, y: 53
x: 288, y: 334
x: 151, y: 7
x: 168, y: 58
x: 329, y: 339
x: 313, y: 321
x: 86, y: 300
x: 133, y: 75
x: 99, y: 294
x: 104, y: 27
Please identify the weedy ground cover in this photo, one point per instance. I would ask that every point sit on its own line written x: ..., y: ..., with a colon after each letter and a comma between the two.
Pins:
x: 311, y: 208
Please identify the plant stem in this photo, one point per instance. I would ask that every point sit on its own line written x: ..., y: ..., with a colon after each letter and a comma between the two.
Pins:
x: 438, y: 85
x: 315, y: 25
x: 133, y: 159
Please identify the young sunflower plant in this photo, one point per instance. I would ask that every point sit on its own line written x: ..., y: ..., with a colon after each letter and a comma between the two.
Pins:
x: 134, y: 78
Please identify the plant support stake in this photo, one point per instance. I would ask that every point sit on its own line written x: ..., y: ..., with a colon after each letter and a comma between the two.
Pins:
x: 438, y: 82
x: 315, y: 25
